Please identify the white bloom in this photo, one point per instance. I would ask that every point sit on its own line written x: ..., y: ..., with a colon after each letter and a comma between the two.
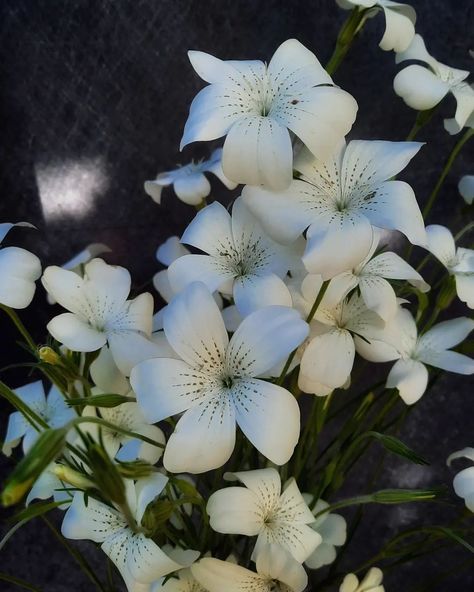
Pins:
x: 215, y: 382
x: 423, y: 87
x: 189, y: 182
x: 19, y: 269
x: 77, y: 263
x: 276, y: 571
x: 328, y: 355
x: 371, y: 275
x: 106, y: 375
x: 262, y: 509
x: 333, y: 531
x: 399, y: 340
x: 371, y: 583
x: 242, y: 261
x: 127, y: 416
x: 459, y: 262
x: 100, y: 313
x: 257, y: 105
x: 339, y: 200
x: 400, y: 21
x: 139, y: 560
x: 53, y: 409
x: 466, y: 188
x: 49, y: 485
x: 185, y: 582
x: 464, y: 481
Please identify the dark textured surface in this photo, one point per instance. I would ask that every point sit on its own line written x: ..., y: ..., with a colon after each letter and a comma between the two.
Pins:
x: 95, y: 94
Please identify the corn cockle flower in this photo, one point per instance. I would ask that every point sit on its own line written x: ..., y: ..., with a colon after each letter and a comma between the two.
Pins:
x: 399, y: 341
x: 256, y: 106
x: 371, y: 583
x: 371, y: 276
x: 138, y: 558
x: 215, y: 382
x: 262, y: 509
x: 189, y: 181
x: 127, y: 416
x: 339, y: 200
x: 100, y: 313
x: 466, y: 188
x: 242, y: 261
x: 53, y: 409
x: 464, y: 481
x: 19, y: 270
x: 423, y: 87
x: 459, y: 262
x: 333, y: 531
x: 276, y: 571
x: 400, y: 21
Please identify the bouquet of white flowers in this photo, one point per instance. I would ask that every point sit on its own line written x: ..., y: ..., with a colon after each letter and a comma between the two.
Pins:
x: 176, y: 441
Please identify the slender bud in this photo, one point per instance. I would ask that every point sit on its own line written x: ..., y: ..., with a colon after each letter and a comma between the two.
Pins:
x: 401, y: 496
x: 136, y: 469
x: 48, y: 355
x: 44, y: 451
x: 74, y: 478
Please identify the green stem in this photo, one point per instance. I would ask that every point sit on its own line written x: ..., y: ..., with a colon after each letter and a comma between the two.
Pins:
x: 352, y: 25
x: 422, y: 118
x: 18, y: 582
x: 77, y: 555
x: 19, y: 325
x: 451, y: 158
x: 308, y: 319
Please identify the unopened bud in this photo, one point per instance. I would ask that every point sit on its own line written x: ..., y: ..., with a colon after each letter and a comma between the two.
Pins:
x: 48, y: 355
x: 401, y: 496
x: 137, y: 469
x: 72, y: 477
x: 157, y: 514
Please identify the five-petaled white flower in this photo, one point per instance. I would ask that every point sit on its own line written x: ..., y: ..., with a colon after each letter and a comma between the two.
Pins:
x: 256, y: 105
x: 53, y: 409
x: 328, y: 355
x: 189, y: 181
x: 399, y: 341
x: 185, y: 582
x: 371, y: 275
x: 333, y: 531
x: 242, y: 261
x: 100, y: 313
x: 466, y: 188
x: 277, y: 571
x: 459, y: 262
x: 339, y: 200
x: 372, y: 582
x: 215, y: 382
x: 137, y: 557
x: 262, y: 509
x: 19, y: 270
x: 400, y: 21
x: 464, y: 481
x: 424, y: 87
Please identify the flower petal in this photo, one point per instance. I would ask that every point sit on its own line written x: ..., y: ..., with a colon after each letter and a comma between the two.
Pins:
x: 466, y: 188
x: 192, y: 189
x: 441, y: 243
x: 419, y: 87
x: 19, y: 270
x: 252, y: 292
x: 171, y: 250
x: 399, y: 26
x: 392, y: 266
x: 199, y: 268
x: 258, y: 151
x: 211, y: 230
x: 277, y: 563
x: 378, y: 296
x: 465, y: 288
x: 410, y: 378
x: 75, y: 334
x: 445, y: 335
x: 234, y: 510
x: 95, y: 522
x: 216, y: 575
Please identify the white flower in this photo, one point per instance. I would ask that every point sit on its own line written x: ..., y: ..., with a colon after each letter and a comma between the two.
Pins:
x: 262, y: 509
x: 256, y: 105
x: 77, y: 263
x: 400, y: 21
x: 328, y: 355
x: 371, y: 275
x: 464, y: 481
x: 371, y: 583
x: 127, y: 416
x: 466, y: 188
x: 53, y: 409
x: 276, y: 570
x: 185, y: 582
x: 423, y: 87
x: 100, y: 313
x: 189, y: 182
x: 49, y: 485
x: 19, y: 269
x: 459, y: 262
x: 242, y: 261
x: 139, y: 560
x: 339, y: 200
x: 333, y: 531
x: 215, y: 382
x: 399, y: 340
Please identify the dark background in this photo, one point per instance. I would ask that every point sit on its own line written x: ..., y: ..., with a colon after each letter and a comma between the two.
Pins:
x: 94, y: 96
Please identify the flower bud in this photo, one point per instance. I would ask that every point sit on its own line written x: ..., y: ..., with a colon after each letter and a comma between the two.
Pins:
x: 44, y: 451
x: 136, y: 469
x: 74, y: 478
x: 157, y: 514
x: 401, y: 496
x: 48, y: 355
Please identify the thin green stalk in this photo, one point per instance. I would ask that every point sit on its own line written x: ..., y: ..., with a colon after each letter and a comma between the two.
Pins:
x: 77, y: 555
x: 422, y: 118
x: 18, y: 582
x: 308, y: 319
x: 451, y: 158
x: 352, y: 25
x: 19, y: 325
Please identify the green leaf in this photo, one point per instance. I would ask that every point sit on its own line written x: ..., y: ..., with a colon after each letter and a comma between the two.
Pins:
x: 18, y: 582
x: 106, y: 400
x: 35, y: 510
x: 454, y: 536
x: 397, y: 447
